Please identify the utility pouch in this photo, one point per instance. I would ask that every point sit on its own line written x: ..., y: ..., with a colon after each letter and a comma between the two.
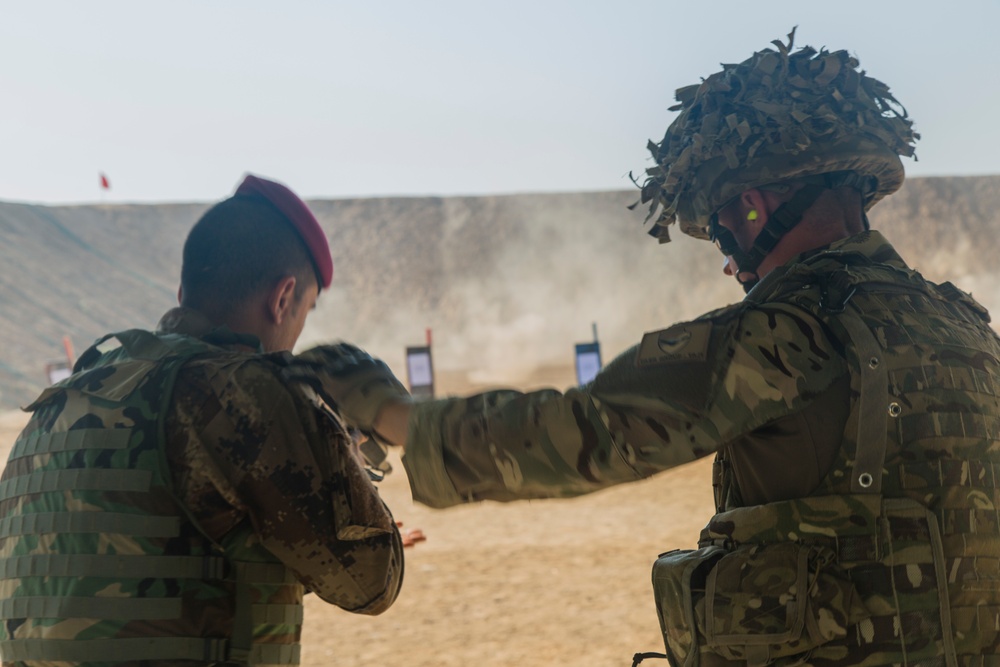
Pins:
x: 679, y: 578
x: 757, y: 604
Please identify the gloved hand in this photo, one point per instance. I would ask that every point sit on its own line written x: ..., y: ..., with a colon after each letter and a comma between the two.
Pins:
x: 353, y: 382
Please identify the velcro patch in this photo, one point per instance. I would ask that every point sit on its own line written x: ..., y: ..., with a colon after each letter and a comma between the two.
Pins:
x: 681, y: 342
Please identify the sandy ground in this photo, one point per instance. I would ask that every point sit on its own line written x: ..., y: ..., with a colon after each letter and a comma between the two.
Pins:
x: 543, y: 583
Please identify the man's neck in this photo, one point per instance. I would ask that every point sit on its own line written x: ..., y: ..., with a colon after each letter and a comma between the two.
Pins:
x: 804, y: 237
x: 193, y: 322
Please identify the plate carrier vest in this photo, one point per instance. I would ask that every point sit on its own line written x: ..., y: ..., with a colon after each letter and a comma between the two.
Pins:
x: 100, y: 563
x: 895, y: 558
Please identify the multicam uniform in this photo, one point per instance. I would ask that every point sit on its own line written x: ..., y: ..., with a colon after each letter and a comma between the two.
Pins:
x: 173, y: 499
x: 877, y: 539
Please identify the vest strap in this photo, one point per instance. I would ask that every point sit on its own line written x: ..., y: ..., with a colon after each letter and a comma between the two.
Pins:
x: 873, y: 398
x: 873, y: 406
x: 159, y: 648
x: 136, y: 525
x: 950, y: 472
x: 153, y: 609
x: 903, y: 507
x: 277, y: 614
x: 114, y: 650
x: 241, y: 642
x: 75, y: 480
x: 264, y: 573
x: 45, y: 443
x: 147, y: 346
x: 109, y: 566
x: 263, y: 655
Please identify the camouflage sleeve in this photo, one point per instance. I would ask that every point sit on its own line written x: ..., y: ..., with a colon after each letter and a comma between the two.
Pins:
x: 681, y: 394
x: 242, y: 445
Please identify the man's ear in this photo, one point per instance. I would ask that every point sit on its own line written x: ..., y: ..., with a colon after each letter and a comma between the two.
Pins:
x: 281, y: 299
x: 754, y: 209
x: 180, y: 294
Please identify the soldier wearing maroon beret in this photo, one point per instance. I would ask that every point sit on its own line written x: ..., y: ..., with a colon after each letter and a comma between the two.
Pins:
x: 171, y: 501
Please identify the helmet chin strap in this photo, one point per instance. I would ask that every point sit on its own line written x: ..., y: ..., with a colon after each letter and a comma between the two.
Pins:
x: 749, y: 283
x: 778, y: 224
x: 730, y: 248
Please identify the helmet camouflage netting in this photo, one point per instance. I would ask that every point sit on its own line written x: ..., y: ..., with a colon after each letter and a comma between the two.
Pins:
x: 775, y: 117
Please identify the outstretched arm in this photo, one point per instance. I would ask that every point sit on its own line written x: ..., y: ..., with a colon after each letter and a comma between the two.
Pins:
x: 682, y: 393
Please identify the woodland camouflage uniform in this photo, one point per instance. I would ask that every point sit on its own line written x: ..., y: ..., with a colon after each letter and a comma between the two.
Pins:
x: 852, y: 407
x: 175, y: 498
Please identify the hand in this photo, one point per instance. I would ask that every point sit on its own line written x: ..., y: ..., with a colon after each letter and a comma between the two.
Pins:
x: 353, y: 382
x: 411, y: 535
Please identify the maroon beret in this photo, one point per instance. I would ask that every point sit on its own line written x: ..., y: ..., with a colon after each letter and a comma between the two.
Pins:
x: 296, y: 211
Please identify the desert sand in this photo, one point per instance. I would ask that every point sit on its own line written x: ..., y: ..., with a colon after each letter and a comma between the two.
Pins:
x: 543, y: 583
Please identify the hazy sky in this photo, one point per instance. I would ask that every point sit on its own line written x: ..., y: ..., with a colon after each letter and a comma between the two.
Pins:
x: 175, y: 100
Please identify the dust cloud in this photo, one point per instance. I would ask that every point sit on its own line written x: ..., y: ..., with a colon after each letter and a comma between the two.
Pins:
x: 503, y: 309
x: 506, y: 283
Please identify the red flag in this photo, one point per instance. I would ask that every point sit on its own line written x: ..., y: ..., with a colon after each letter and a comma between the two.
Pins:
x: 105, y: 183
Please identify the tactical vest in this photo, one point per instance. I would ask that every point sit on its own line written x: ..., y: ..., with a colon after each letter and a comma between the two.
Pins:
x: 895, y: 558
x: 98, y: 561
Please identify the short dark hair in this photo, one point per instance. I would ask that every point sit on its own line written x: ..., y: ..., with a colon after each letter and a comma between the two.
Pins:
x: 238, y: 248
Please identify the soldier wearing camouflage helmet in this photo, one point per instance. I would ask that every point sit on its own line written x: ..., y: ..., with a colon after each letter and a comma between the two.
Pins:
x: 851, y: 404
x: 171, y: 501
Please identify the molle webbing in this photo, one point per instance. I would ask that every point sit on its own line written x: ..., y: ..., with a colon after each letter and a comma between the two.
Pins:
x: 276, y: 614
x: 136, y: 525
x: 110, y: 566
x: 84, y: 438
x: 86, y: 487
x: 176, y: 567
x: 99, y: 650
x: 157, y: 609
x: 75, y: 480
x: 122, y: 650
x: 249, y: 615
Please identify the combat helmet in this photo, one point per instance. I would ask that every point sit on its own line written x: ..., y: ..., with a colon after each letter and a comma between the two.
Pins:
x: 809, y: 116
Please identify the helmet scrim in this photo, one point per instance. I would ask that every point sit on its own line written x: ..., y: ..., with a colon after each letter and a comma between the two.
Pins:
x: 776, y: 117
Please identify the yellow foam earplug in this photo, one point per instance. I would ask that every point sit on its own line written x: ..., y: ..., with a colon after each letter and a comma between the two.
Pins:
x: 752, y: 215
